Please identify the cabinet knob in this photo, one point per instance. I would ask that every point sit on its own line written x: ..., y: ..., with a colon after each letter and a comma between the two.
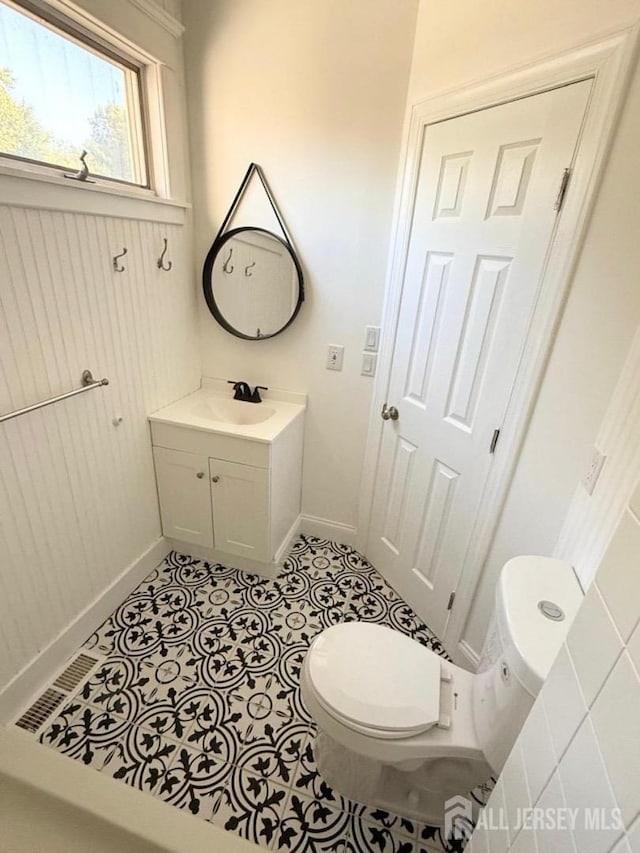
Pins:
x: 215, y: 478
x: 200, y: 475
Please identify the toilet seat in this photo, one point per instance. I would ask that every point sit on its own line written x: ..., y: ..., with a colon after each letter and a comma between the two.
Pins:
x: 375, y: 680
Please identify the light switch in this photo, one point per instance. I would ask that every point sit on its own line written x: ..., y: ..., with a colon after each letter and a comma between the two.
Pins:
x: 372, y: 338
x: 369, y: 363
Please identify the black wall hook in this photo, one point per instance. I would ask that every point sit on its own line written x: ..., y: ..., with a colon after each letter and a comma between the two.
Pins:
x: 116, y: 267
x: 161, y: 265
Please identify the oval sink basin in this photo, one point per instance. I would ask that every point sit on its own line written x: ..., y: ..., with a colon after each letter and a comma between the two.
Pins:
x: 224, y: 411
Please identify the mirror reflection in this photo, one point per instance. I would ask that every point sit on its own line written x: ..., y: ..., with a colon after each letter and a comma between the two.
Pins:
x: 253, y: 283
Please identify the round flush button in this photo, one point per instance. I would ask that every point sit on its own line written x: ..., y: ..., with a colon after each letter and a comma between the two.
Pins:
x: 551, y: 610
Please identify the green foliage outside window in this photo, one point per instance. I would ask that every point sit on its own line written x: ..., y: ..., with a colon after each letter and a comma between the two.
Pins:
x: 22, y: 135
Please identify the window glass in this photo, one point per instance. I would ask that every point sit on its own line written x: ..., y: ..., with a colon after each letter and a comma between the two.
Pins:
x: 59, y: 97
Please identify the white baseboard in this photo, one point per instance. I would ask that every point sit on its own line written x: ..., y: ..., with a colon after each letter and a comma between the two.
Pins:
x: 289, y: 539
x: 39, y: 671
x: 212, y: 555
x: 465, y: 656
x: 346, y: 534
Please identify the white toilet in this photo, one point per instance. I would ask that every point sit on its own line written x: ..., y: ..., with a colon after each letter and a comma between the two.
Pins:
x: 402, y: 728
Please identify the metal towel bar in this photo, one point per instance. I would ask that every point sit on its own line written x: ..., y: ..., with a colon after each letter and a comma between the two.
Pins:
x: 88, y: 382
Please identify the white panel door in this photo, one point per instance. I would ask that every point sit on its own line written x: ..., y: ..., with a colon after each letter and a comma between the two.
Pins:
x: 482, y: 224
x: 240, y: 497
x: 183, y: 489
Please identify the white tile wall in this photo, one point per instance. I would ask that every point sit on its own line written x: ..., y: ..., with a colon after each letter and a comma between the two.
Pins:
x: 584, y: 780
x: 498, y: 835
x: 580, y: 747
x: 555, y: 837
x: 563, y: 702
x: 594, y: 644
x: 616, y: 719
x: 516, y: 789
x: 618, y: 581
x: 537, y: 745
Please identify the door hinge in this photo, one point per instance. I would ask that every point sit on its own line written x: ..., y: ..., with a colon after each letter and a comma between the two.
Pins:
x: 494, y: 441
x: 564, y: 183
x: 452, y: 598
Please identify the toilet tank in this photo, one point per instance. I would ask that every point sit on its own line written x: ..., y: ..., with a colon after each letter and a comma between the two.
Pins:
x: 536, y: 601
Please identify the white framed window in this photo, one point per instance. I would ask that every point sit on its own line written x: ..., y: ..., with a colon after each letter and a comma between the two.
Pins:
x: 64, y: 91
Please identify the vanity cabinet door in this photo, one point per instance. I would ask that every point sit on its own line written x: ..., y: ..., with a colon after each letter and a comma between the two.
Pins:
x: 240, y: 498
x: 185, y: 502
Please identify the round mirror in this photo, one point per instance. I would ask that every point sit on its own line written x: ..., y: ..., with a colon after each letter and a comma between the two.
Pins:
x: 252, y: 282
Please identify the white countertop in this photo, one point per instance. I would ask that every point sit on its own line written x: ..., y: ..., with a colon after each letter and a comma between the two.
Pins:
x: 198, y: 411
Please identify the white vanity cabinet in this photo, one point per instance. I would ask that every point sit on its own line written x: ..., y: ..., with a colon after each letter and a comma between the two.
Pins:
x: 184, y: 494
x: 240, y: 502
x: 235, y: 497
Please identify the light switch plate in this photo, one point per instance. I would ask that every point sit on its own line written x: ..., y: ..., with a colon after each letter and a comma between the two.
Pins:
x: 372, y: 338
x: 335, y: 356
x: 369, y: 363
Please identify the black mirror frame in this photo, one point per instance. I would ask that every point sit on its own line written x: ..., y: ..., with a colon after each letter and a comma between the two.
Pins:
x: 207, y: 282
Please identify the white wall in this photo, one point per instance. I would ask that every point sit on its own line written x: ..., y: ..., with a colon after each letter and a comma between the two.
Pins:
x: 580, y: 746
x: 314, y: 93
x: 466, y: 41
x: 77, y: 495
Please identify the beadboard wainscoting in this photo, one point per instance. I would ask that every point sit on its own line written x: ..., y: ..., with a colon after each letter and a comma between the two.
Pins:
x: 78, y: 501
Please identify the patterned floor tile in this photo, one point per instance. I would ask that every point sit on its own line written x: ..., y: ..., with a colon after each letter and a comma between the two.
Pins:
x: 387, y: 821
x: 377, y: 838
x: 141, y: 758
x: 194, y: 781
x: 308, y: 782
x: 115, y: 687
x: 219, y: 726
x: 174, y: 714
x: 295, y: 622
x: 276, y: 753
x: 85, y: 733
x: 289, y: 673
x: 219, y: 596
x: 198, y: 700
x: 250, y: 806
x: 308, y: 825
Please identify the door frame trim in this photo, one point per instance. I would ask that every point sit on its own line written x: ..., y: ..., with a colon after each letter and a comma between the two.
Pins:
x: 608, y: 60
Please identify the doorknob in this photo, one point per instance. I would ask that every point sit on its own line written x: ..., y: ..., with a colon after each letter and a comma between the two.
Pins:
x: 215, y: 478
x: 200, y: 475
x: 389, y: 413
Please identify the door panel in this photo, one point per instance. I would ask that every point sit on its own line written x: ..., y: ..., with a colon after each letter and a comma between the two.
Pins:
x: 183, y: 489
x: 482, y: 224
x: 400, y: 478
x: 240, y: 498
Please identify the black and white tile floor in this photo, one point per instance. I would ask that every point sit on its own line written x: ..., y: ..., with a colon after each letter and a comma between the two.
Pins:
x: 197, y: 700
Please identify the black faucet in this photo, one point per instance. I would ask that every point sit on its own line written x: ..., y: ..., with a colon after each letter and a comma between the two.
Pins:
x: 242, y: 391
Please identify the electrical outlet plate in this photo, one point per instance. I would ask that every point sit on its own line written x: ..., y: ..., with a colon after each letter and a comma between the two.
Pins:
x: 593, y: 471
x: 335, y: 355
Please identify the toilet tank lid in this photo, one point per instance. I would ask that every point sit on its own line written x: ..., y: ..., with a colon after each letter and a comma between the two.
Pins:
x: 537, y: 600
x: 376, y: 677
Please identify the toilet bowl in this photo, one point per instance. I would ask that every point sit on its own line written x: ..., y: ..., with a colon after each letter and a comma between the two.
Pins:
x: 403, y: 728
